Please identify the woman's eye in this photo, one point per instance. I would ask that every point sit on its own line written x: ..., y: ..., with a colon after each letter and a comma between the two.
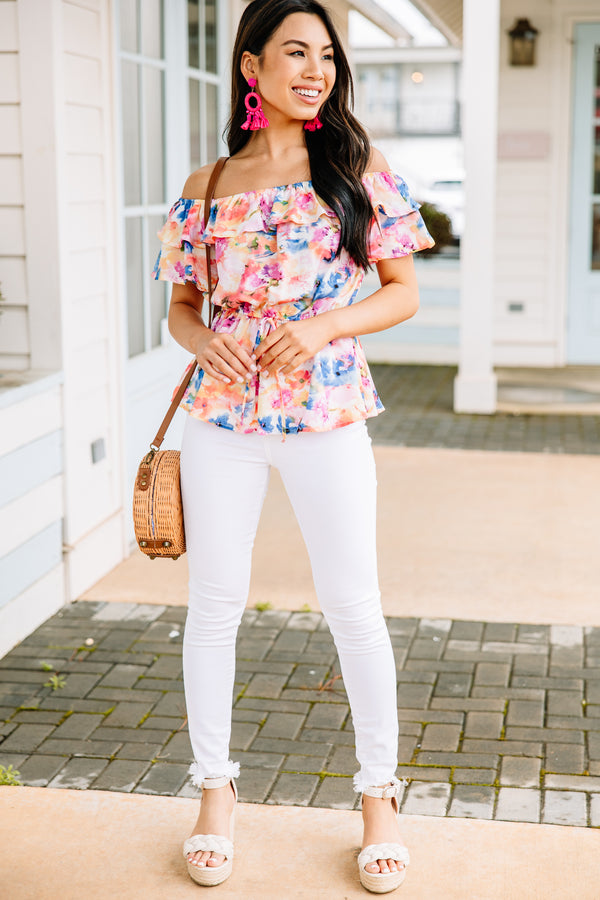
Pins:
x: 327, y: 56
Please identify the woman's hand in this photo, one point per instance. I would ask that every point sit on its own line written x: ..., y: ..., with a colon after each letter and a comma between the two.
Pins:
x: 219, y: 354
x: 222, y: 357
x: 292, y: 344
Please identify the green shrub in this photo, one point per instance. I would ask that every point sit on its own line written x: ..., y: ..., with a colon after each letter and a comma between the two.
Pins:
x: 439, y: 227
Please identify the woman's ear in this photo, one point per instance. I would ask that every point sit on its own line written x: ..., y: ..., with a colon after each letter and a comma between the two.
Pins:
x: 248, y: 65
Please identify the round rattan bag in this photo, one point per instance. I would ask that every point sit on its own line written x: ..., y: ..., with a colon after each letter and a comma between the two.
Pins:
x: 157, y: 506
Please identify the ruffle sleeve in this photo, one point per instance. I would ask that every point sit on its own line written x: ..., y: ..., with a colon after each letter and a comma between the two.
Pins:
x: 398, y: 227
x: 182, y: 255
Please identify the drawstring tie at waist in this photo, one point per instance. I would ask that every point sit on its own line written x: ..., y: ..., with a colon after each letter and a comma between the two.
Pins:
x: 270, y: 318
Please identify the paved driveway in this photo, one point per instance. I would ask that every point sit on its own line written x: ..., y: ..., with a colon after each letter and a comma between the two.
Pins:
x: 496, y: 720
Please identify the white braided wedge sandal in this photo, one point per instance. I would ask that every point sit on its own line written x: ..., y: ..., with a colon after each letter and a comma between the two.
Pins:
x: 212, y: 843
x: 383, y: 883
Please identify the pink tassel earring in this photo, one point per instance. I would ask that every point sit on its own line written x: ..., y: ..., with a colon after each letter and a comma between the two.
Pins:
x: 313, y: 124
x: 256, y: 119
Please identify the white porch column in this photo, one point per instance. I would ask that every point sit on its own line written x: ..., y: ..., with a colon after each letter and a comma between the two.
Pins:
x: 475, y: 384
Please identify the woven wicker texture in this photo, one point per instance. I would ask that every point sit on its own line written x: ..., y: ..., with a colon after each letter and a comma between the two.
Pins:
x: 158, y: 510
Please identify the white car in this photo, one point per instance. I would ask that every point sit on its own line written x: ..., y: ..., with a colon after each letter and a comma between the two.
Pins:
x: 448, y: 195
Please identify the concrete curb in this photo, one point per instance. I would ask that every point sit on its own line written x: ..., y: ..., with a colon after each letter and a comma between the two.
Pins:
x: 65, y: 845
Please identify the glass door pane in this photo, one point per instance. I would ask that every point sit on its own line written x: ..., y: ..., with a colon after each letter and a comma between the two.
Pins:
x: 144, y: 163
x: 203, y: 88
x: 130, y: 104
x: 210, y: 34
x: 158, y: 295
x: 193, y: 34
x: 152, y: 30
x: 595, y: 241
x: 135, y: 286
x: 212, y: 121
x: 129, y: 25
x: 596, y: 236
x: 597, y: 161
x: 194, y: 112
x: 597, y: 85
x: 154, y: 81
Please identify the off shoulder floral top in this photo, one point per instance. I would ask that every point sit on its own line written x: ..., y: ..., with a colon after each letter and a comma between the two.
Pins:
x: 274, y: 257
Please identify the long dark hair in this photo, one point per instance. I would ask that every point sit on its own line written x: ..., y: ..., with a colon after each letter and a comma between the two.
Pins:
x: 339, y: 152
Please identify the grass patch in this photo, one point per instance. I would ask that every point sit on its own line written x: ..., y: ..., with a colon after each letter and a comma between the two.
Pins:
x: 56, y: 682
x: 10, y: 775
x: 263, y: 606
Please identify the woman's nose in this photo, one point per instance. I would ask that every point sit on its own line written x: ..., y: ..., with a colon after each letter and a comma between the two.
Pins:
x: 313, y: 69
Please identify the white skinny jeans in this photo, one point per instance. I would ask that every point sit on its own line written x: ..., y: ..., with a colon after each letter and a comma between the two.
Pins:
x: 330, y: 480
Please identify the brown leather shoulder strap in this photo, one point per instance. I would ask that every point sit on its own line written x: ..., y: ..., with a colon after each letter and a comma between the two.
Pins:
x: 212, y: 184
x: 160, y: 434
x: 210, y: 193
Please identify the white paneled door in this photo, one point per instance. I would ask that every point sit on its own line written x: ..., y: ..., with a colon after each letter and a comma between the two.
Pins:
x: 583, y: 311
x: 170, y: 77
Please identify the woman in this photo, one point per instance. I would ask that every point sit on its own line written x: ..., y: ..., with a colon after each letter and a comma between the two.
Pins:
x: 304, y: 206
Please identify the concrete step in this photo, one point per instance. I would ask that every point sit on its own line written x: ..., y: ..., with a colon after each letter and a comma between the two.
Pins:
x: 68, y: 845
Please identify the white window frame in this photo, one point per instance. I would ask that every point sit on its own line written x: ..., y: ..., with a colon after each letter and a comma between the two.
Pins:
x: 204, y: 78
x: 177, y: 137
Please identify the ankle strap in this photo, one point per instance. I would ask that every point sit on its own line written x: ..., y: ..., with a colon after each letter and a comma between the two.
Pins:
x: 219, y: 782
x: 382, y: 793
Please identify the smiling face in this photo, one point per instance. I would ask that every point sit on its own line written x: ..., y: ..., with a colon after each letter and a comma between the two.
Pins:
x: 296, y: 70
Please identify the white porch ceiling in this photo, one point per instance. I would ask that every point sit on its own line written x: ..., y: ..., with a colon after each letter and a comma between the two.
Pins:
x: 371, y: 10
x: 445, y: 15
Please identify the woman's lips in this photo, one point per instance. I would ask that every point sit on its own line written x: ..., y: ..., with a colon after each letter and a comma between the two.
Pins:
x: 312, y: 101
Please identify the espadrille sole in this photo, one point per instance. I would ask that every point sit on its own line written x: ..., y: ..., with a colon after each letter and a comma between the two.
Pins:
x: 208, y: 876
x: 381, y: 884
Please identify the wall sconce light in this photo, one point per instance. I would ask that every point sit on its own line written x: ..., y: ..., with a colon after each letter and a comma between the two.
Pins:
x: 522, y: 43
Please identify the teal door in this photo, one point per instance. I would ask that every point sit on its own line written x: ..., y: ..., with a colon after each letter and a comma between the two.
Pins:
x: 583, y: 311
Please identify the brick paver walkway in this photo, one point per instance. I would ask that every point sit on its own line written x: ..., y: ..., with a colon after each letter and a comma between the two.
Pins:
x: 496, y: 720
x: 418, y: 402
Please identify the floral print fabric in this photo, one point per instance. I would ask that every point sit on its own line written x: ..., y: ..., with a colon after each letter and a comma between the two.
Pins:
x: 274, y: 257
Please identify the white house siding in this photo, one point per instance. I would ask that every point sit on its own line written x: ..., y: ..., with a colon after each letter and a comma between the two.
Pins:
x: 31, y: 416
x: 58, y: 242
x: 31, y: 507
x: 14, y: 338
x: 533, y: 185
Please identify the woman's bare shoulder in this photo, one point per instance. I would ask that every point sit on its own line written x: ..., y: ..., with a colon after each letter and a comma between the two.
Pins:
x: 197, y: 183
x: 377, y: 162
